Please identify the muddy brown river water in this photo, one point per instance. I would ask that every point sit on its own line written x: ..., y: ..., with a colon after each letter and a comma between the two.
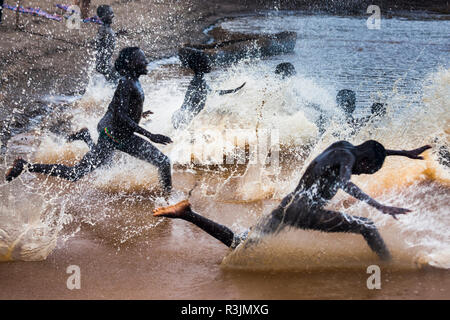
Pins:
x: 103, y: 223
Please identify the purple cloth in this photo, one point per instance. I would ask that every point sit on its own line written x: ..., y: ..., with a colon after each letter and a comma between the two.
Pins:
x: 35, y: 12
x: 94, y: 19
x: 42, y: 13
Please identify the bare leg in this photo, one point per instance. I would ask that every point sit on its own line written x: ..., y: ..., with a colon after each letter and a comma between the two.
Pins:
x: 331, y: 221
x: 317, y: 219
x: 144, y: 150
x: 182, y: 210
x: 296, y: 211
x: 98, y: 156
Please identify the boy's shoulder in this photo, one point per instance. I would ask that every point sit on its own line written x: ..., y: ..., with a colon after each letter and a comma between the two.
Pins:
x: 105, y: 31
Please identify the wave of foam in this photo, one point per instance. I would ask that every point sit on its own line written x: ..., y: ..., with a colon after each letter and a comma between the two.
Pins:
x: 419, y: 238
x: 290, y: 107
x: 29, y: 223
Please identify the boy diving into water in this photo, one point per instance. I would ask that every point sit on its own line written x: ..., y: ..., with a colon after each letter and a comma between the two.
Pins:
x: 304, y: 208
x: 196, y: 94
x: 116, y: 130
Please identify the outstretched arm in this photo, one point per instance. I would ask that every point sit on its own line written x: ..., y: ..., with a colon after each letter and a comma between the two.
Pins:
x: 222, y: 92
x: 352, y: 189
x: 146, y: 114
x: 412, y: 154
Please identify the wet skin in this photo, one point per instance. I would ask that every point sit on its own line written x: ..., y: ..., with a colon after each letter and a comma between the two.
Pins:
x: 105, y: 45
x: 304, y: 208
x: 332, y: 170
x: 117, y: 131
x: 126, y: 108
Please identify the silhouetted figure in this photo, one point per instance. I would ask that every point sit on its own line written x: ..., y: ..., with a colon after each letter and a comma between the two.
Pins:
x: 305, y: 207
x: 378, y: 109
x: 195, y: 98
x: 346, y: 100
x: 105, y: 44
x: 116, y: 129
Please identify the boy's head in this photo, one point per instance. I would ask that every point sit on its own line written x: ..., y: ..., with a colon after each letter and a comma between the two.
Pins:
x: 285, y: 69
x: 378, y: 109
x: 370, y: 157
x: 346, y: 99
x: 199, y: 62
x: 105, y: 13
x: 131, y: 61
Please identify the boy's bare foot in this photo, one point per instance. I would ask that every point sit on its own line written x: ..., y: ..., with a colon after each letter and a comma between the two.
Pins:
x: 16, y: 169
x: 174, y: 211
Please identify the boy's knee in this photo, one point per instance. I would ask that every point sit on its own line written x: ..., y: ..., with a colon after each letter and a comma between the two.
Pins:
x: 75, y: 176
x: 165, y: 161
x: 79, y: 171
x: 368, y: 227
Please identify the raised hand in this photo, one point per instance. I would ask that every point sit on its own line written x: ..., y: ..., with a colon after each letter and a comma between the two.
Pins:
x: 146, y: 114
x: 240, y: 87
x: 161, y: 139
x: 393, y: 211
x: 414, y: 154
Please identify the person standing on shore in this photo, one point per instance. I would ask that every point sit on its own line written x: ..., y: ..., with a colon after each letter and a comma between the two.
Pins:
x: 105, y: 44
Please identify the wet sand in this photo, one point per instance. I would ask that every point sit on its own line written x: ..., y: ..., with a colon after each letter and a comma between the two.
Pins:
x: 172, y: 268
x: 176, y: 260
x: 186, y: 265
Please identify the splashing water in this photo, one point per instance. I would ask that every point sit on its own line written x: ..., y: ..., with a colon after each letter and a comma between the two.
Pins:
x: 420, y: 238
x: 29, y: 222
x: 116, y: 200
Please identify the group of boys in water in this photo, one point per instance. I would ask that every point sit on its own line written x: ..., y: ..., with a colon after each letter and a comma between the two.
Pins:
x: 303, y: 208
